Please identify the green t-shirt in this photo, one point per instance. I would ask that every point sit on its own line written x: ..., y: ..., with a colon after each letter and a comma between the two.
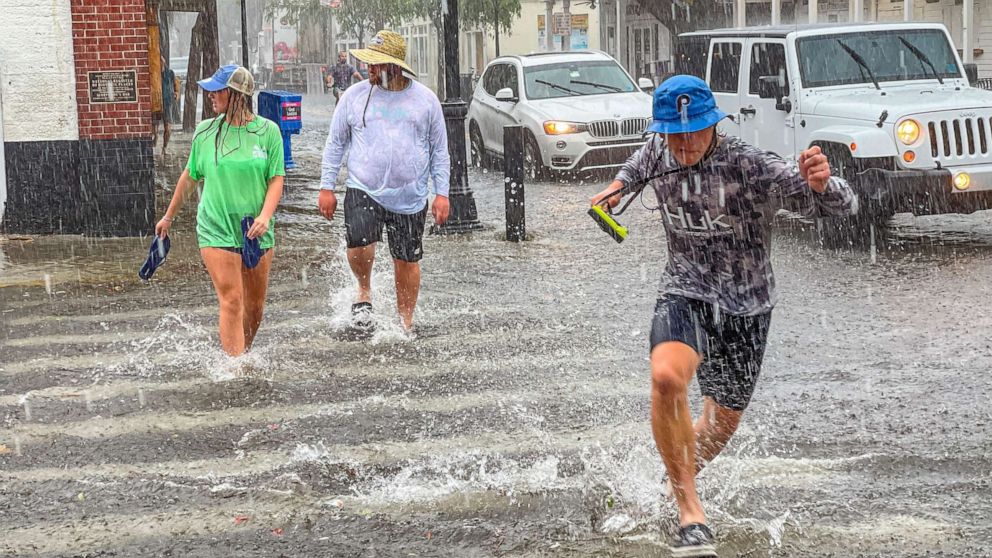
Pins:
x: 235, y: 179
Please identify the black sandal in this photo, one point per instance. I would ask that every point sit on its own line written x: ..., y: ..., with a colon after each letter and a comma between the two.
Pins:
x: 361, y: 313
x: 695, y: 541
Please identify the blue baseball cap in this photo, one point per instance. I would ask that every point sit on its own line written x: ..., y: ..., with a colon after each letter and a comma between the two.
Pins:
x: 684, y: 104
x: 231, y: 75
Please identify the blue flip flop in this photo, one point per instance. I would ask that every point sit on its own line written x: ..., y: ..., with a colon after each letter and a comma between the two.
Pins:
x: 251, y: 250
x: 156, y: 256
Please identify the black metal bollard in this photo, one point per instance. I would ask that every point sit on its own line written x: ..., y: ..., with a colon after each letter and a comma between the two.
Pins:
x: 513, y: 172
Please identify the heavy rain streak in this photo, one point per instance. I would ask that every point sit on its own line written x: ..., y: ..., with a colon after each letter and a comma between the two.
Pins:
x: 471, y: 278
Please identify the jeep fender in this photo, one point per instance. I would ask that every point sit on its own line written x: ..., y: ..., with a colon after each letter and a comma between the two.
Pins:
x: 870, y: 142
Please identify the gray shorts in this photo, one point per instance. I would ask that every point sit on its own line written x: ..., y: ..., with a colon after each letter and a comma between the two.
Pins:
x: 732, y: 347
x: 364, y: 220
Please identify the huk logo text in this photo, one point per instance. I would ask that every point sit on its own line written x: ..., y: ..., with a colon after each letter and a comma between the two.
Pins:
x: 703, y: 222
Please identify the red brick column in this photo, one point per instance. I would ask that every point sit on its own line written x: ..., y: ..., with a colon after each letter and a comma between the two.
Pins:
x: 111, y: 35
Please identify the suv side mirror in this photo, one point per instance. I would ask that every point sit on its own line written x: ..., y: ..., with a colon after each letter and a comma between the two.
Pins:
x: 506, y: 95
x: 645, y: 84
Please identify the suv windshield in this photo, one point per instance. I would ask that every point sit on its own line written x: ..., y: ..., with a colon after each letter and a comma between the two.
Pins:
x: 576, y: 78
x: 823, y: 61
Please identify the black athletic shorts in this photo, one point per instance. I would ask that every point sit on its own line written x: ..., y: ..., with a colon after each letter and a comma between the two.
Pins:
x: 732, y: 347
x: 364, y: 220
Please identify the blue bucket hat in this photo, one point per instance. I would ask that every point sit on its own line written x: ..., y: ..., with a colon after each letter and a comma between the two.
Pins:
x: 156, y: 257
x: 684, y: 104
x: 231, y: 75
x: 251, y: 250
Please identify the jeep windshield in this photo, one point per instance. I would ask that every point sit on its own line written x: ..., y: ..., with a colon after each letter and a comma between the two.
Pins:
x: 824, y: 62
x: 575, y: 79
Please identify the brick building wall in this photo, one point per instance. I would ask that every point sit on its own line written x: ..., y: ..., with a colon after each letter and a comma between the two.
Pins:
x: 110, y: 35
x: 115, y: 147
x: 74, y: 164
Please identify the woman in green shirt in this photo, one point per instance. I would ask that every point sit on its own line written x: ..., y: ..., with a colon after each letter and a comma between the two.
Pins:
x: 239, y: 158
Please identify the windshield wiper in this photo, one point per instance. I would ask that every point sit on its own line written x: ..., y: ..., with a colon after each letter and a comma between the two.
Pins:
x: 613, y: 88
x: 861, y: 62
x: 556, y: 86
x: 923, y: 58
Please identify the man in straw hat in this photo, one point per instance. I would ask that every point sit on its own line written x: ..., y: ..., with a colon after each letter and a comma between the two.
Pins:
x: 394, y: 133
x: 717, y: 198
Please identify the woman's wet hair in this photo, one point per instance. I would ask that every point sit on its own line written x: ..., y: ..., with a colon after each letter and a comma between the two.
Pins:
x: 238, y: 103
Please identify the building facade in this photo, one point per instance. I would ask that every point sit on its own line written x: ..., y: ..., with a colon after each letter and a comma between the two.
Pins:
x: 632, y: 35
x: 951, y: 13
x: 75, y: 118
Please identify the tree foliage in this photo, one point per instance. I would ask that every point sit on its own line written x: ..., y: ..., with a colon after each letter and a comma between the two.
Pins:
x: 359, y: 18
x: 494, y: 14
x: 681, y: 16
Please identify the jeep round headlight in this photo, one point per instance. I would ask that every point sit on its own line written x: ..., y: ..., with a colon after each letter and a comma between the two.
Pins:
x: 962, y: 181
x: 908, y: 131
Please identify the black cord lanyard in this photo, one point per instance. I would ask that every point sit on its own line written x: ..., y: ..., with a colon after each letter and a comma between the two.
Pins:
x: 638, y: 187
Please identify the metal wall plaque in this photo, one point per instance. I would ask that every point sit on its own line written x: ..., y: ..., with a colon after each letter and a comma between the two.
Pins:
x: 113, y: 87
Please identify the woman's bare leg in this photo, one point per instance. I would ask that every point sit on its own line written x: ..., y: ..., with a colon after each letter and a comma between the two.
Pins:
x: 225, y: 272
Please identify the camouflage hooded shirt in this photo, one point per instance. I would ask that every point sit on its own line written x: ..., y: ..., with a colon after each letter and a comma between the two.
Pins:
x: 718, y: 215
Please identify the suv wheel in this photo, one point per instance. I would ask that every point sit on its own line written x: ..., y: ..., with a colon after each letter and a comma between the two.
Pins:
x: 533, y: 164
x: 478, y: 149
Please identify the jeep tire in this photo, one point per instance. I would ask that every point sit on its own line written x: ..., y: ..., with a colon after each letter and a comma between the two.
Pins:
x: 861, y: 229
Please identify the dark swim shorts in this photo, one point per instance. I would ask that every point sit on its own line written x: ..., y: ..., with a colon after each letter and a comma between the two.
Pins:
x: 732, y: 347
x: 364, y: 220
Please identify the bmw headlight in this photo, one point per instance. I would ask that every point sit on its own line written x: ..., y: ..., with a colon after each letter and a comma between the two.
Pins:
x: 908, y: 131
x: 557, y: 127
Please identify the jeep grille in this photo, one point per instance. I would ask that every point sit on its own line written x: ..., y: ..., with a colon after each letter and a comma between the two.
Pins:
x: 617, y: 128
x: 961, y: 140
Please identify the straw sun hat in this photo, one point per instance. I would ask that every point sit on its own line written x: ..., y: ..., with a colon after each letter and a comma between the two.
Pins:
x: 386, y: 47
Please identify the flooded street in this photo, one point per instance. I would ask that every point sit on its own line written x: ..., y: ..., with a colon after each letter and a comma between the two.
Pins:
x: 515, y: 424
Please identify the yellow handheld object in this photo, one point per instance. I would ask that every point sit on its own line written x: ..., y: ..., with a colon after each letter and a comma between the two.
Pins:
x: 607, y: 223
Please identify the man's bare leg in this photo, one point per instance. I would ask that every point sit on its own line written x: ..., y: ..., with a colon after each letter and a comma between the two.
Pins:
x: 672, y: 367
x: 165, y: 136
x: 714, y: 428
x: 407, y: 290
x: 361, y: 260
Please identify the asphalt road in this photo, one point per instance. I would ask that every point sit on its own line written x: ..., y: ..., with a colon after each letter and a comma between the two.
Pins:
x: 516, y: 424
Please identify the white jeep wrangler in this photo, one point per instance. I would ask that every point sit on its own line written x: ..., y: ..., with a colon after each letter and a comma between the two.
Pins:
x: 890, y: 104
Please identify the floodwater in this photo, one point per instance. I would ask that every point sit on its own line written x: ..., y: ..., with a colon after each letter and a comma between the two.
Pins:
x: 515, y: 424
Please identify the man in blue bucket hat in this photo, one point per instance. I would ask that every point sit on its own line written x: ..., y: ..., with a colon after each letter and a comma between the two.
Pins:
x: 717, y: 199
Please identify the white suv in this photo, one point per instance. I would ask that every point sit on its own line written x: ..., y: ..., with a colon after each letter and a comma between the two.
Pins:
x: 582, y: 111
x: 890, y: 103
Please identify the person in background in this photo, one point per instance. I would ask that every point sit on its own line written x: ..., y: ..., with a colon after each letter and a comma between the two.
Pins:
x: 170, y: 94
x: 239, y: 157
x: 340, y: 76
x: 176, y: 116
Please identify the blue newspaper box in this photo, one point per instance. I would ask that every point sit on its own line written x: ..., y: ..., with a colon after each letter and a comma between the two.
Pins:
x: 283, y: 108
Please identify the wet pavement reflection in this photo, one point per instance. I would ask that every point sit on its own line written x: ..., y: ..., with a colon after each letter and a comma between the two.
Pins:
x: 516, y: 424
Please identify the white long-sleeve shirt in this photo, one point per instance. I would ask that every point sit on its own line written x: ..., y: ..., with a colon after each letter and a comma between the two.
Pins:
x: 395, y: 146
